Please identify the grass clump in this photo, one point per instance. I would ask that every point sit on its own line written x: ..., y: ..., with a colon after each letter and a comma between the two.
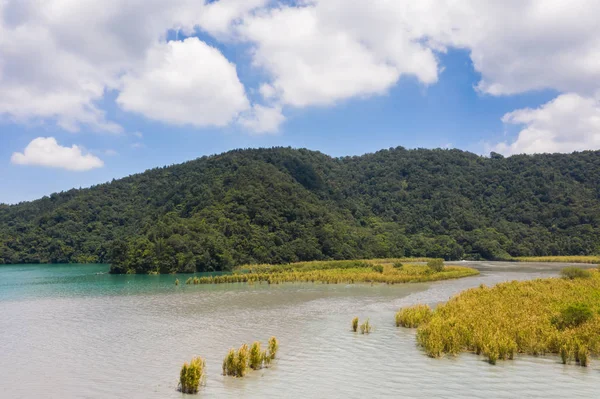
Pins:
x: 544, y: 316
x: 237, y: 363
x: 273, y: 347
x: 366, y: 327
x: 413, y: 316
x: 176, y: 281
x: 572, y: 273
x: 355, y: 324
x: 192, y: 375
x: 256, y: 356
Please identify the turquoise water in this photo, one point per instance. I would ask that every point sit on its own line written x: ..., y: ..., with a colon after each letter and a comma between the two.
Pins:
x: 71, y: 331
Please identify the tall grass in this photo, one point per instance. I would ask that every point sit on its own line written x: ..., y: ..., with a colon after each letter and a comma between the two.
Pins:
x: 385, y: 273
x: 413, y: 316
x: 237, y: 363
x: 545, y: 316
x: 560, y: 259
x: 366, y: 327
x: 355, y: 324
x: 192, y: 375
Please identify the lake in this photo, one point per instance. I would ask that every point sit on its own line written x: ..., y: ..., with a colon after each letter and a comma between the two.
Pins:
x: 71, y: 331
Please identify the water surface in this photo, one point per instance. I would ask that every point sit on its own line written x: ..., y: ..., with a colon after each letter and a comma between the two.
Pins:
x: 74, y: 331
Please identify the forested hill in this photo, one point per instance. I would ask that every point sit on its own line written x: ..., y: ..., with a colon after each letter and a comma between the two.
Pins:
x: 282, y: 205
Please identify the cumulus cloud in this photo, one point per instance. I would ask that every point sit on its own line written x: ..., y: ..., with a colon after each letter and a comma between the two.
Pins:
x: 45, y: 151
x: 186, y: 82
x: 262, y: 119
x: 59, y: 57
x: 568, y: 123
x: 316, y: 55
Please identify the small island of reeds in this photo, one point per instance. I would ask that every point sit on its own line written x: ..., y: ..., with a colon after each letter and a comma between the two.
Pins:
x: 544, y: 316
x: 388, y: 271
x: 559, y: 259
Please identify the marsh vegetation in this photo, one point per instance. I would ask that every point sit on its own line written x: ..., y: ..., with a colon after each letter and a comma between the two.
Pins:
x: 337, y: 272
x: 237, y: 363
x: 537, y: 317
x: 192, y: 375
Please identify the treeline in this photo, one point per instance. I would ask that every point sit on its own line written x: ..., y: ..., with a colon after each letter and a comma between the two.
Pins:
x: 285, y: 205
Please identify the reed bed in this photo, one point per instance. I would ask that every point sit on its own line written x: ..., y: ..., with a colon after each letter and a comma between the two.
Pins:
x: 413, y: 316
x: 325, y: 265
x: 237, y: 363
x: 559, y: 259
x: 387, y: 275
x: 192, y: 375
x: 544, y: 316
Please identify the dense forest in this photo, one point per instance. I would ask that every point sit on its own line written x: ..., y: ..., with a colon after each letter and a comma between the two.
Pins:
x: 283, y: 205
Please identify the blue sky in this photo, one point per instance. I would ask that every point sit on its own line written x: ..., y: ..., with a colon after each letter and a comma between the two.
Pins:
x: 450, y: 93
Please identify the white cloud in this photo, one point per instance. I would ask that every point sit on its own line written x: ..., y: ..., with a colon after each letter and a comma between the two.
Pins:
x: 110, y: 153
x: 316, y: 55
x: 263, y: 119
x: 59, y: 57
x: 568, y: 123
x: 185, y: 82
x: 45, y: 151
x: 139, y: 135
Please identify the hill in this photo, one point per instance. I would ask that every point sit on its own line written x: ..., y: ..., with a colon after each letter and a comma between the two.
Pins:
x: 283, y: 205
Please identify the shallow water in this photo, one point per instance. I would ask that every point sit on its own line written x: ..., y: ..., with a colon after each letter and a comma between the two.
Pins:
x: 67, y: 331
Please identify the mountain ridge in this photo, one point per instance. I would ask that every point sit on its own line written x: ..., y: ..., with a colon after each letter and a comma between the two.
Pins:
x: 281, y: 205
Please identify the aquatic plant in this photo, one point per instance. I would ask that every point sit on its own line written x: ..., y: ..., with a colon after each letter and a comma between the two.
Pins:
x: 349, y: 272
x: 256, y: 356
x: 273, y: 347
x: 560, y: 259
x: 572, y: 273
x: 266, y: 358
x: 355, y: 324
x: 176, y: 281
x: 436, y: 265
x: 544, y: 316
x: 192, y: 375
x: 366, y: 327
x: 413, y: 316
x: 188, y: 281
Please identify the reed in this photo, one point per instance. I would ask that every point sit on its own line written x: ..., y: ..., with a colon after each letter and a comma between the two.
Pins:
x: 544, y: 316
x: 192, y: 375
x: 256, y: 356
x: 366, y: 327
x: 436, y: 265
x: 273, y: 347
x: 351, y: 272
x: 355, y: 324
x: 559, y: 259
x: 176, y: 281
x: 413, y: 316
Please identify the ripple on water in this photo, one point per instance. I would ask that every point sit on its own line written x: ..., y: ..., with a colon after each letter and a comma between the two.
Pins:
x: 132, y: 343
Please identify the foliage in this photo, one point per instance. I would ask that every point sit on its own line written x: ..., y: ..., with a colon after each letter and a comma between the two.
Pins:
x: 282, y: 205
x: 192, y: 375
x: 573, y: 315
x: 413, y: 316
x: 572, y: 273
x: 436, y: 265
x: 355, y: 324
x: 533, y: 317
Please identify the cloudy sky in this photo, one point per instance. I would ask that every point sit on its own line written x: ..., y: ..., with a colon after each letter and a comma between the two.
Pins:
x: 94, y: 90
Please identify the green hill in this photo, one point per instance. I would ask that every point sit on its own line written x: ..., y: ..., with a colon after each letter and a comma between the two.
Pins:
x: 283, y: 205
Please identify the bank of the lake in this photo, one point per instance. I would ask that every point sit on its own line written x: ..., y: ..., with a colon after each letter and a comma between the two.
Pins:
x: 83, y: 334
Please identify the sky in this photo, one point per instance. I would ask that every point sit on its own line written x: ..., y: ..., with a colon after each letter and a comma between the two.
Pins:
x: 93, y: 91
